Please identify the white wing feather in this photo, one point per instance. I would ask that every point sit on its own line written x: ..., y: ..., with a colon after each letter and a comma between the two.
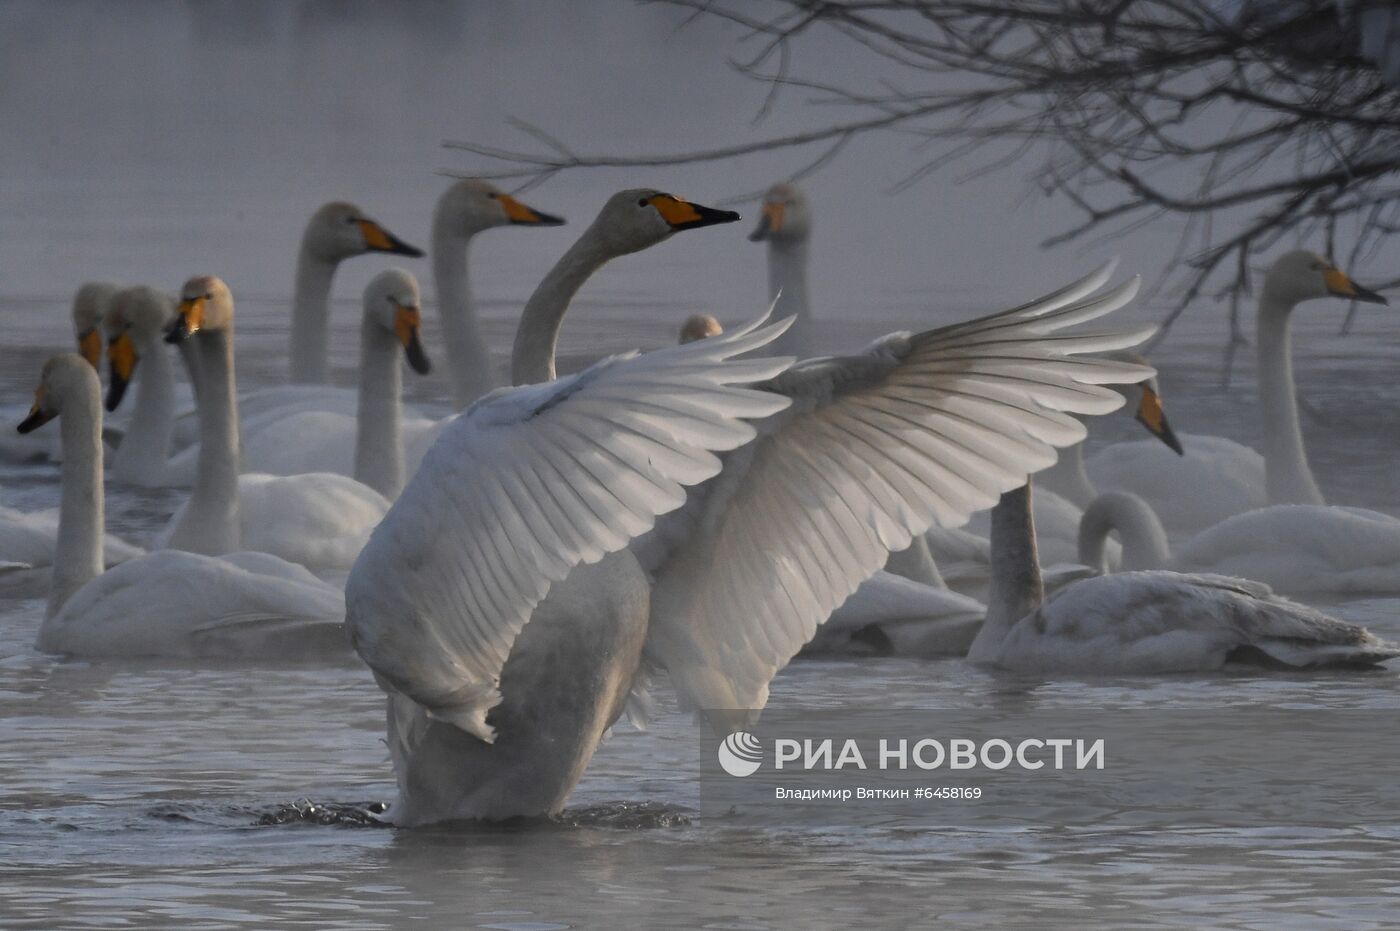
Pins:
x: 529, y: 483
x: 875, y: 448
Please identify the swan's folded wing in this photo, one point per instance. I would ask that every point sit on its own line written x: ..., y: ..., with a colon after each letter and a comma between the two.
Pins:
x: 526, y: 485
x: 919, y: 430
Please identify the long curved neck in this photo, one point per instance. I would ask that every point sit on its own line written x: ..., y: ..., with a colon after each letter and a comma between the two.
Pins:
x: 78, y: 550
x: 310, y: 310
x: 532, y: 359
x: 787, y: 273
x: 1288, y: 478
x: 1016, y: 584
x: 1144, y: 540
x: 468, y: 356
x: 209, y: 524
x: 378, y: 436
x: 140, y: 459
x: 1067, y: 477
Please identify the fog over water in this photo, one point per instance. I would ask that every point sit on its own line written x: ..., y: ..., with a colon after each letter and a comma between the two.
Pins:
x: 147, y: 141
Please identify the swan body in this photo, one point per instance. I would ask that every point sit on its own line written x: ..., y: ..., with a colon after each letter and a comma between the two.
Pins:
x: 1157, y: 622
x: 1296, y: 549
x: 163, y: 603
x: 532, y: 483
x: 1213, y: 479
x: 319, y: 520
x: 1146, y: 622
x: 465, y: 209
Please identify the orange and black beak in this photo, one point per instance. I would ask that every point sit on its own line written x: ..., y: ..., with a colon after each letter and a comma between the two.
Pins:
x: 1341, y: 285
x: 189, y: 318
x: 121, y: 359
x: 90, y: 346
x: 770, y: 223
x: 37, y: 415
x: 407, y: 322
x: 683, y: 215
x: 1151, y: 416
x: 522, y: 215
x: 378, y: 239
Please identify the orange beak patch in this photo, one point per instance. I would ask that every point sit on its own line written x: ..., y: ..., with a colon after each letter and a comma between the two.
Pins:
x: 90, y: 346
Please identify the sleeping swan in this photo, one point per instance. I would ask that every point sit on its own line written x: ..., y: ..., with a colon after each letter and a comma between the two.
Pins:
x: 163, y: 603
x: 1147, y: 622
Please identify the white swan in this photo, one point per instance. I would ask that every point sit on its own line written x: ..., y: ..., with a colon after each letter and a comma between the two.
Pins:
x: 786, y: 226
x: 466, y: 208
x: 524, y: 510
x: 89, y: 306
x: 165, y: 603
x: 1217, y: 480
x: 1148, y: 622
x: 370, y: 444
x: 336, y: 232
x: 1295, y: 549
x: 319, y: 520
x: 889, y: 614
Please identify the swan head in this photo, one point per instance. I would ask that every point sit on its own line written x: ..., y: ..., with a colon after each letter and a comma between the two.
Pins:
x: 392, y: 304
x: 139, y: 317
x: 90, y: 305
x: 639, y: 218
x: 1301, y: 275
x: 340, y: 231
x: 205, y: 304
x: 1145, y: 400
x: 471, y: 205
x: 786, y: 216
x: 67, y: 380
x: 699, y: 326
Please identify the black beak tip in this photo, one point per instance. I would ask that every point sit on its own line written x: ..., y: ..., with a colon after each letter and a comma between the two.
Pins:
x: 30, y: 423
x: 758, y: 236
x: 547, y: 219
x: 176, y: 335
x: 115, y: 392
x: 403, y: 248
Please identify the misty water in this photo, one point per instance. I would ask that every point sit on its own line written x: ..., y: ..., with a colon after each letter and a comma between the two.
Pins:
x: 136, y: 795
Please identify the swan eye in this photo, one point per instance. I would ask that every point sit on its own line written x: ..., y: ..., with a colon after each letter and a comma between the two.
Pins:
x: 491, y: 194
x: 644, y: 202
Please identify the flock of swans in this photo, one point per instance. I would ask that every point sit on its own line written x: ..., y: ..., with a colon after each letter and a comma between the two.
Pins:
x: 517, y: 573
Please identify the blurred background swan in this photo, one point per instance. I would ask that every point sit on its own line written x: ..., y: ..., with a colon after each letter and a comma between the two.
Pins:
x: 165, y: 603
x: 1218, y: 477
x: 465, y: 209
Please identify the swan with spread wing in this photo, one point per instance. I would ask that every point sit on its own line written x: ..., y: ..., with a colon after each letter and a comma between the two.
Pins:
x: 506, y: 602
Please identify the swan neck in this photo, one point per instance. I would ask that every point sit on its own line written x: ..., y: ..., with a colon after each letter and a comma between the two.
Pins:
x: 310, y: 313
x: 532, y: 359
x: 787, y: 277
x: 379, y: 458
x: 141, y: 457
x: 81, y: 524
x: 1016, y: 588
x: 1068, y: 478
x: 209, y: 524
x: 468, y: 355
x: 1144, y: 540
x: 1287, y: 474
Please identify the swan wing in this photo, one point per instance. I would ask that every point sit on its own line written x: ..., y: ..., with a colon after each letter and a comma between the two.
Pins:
x: 919, y: 430
x: 527, y: 484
